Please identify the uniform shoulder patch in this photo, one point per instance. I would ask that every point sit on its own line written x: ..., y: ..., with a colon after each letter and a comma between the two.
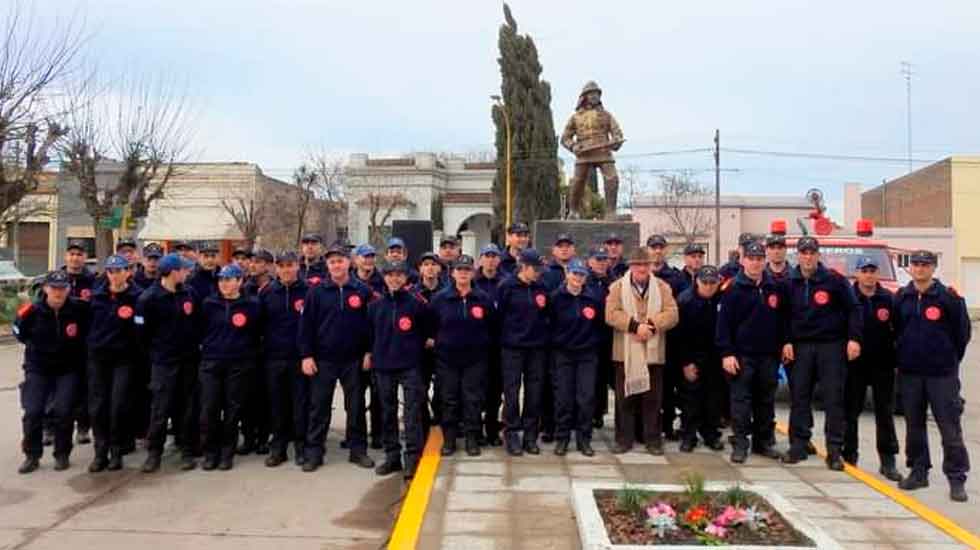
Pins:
x: 24, y: 309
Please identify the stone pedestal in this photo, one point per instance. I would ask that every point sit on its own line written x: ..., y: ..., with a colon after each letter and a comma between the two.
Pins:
x: 587, y: 233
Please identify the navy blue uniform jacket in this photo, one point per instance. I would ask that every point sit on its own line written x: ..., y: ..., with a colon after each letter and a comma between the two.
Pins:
x: 933, y: 330
x: 282, y: 308
x: 335, y: 326
x: 55, y: 340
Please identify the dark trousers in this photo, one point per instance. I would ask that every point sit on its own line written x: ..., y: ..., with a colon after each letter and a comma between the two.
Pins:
x: 255, y: 407
x: 175, y: 388
x: 302, y: 389
x: 322, y: 386
x: 82, y: 417
x: 548, y: 396
x: 432, y: 408
x: 36, y: 392
x: 573, y: 375
x: 643, y: 407
x: 387, y: 383
x: 942, y: 395
x: 494, y: 394
x: 827, y: 362
x: 109, y: 389
x: 279, y: 381
x: 224, y: 389
x: 881, y: 379
x: 603, y: 380
x: 140, y: 399
x: 372, y: 408
x: 671, y: 399
x: 463, y: 383
x: 753, y: 396
x: 523, y: 366
x: 701, y: 402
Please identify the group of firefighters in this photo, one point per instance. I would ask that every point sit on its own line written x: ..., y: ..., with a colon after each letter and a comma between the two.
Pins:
x: 245, y: 357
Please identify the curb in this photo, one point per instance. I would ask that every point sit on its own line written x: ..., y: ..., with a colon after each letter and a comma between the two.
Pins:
x: 405, y: 534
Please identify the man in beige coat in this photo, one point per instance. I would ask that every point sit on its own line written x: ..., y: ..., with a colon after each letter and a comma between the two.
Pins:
x: 640, y: 308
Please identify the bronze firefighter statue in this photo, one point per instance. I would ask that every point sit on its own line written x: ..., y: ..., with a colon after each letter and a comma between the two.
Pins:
x: 592, y: 133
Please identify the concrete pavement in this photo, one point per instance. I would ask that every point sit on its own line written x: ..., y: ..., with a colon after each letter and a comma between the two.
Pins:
x: 252, y: 507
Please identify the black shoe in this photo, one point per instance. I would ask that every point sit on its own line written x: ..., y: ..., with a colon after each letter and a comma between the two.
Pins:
x: 850, y: 459
x: 246, y: 448
x: 547, y: 437
x: 310, y: 465
x: 362, y: 460
x: 210, y: 463
x: 957, y: 492
x: 299, y: 456
x: 115, y: 462
x: 376, y: 444
x: 226, y: 463
x: 739, y: 456
x: 262, y: 449
x: 61, y: 463
x: 152, y: 464
x: 531, y: 448
x: 793, y: 457
x: 388, y: 467
x: 811, y: 450
x: 561, y: 448
x: 687, y: 446
x: 275, y: 459
x: 47, y: 439
x: 618, y: 449
x: 188, y: 463
x: 768, y: 452
x: 448, y: 446
x: 715, y: 445
x: 888, y: 470
x: 835, y: 462
x: 656, y: 448
x: 916, y: 480
x: 597, y: 423
x: 472, y: 445
x: 585, y: 447
x: 29, y: 465
x: 99, y: 464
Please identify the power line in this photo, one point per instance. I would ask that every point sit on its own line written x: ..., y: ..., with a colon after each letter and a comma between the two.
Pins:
x: 827, y: 156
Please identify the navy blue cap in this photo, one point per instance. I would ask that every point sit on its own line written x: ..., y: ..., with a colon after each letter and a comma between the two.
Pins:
x: 708, y: 274
x: 867, y: 261
x: 311, y: 238
x: 923, y: 257
x: 745, y: 238
x: 463, y: 262
x: 76, y: 244
x: 208, y: 247
x: 490, y: 249
x: 564, y: 238
x: 336, y: 250
x: 518, y: 227
x: 599, y: 253
x: 173, y: 262
x: 656, y: 240
x: 396, y: 242
x: 287, y: 256
x: 394, y: 267
x: 182, y: 245
x: 57, y: 279
x: 264, y: 254
x: 776, y: 240
x: 808, y: 244
x: 115, y: 262
x: 125, y: 242
x: 613, y: 238
x: 230, y: 271
x: 365, y: 250
x: 576, y: 266
x: 429, y: 256
x: 449, y: 239
x: 530, y: 256
x: 755, y: 250
x: 693, y: 248
x: 152, y: 250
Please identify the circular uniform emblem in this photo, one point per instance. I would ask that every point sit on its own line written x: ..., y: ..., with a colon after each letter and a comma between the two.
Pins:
x: 588, y: 312
x: 933, y: 313
x: 298, y: 306
x: 354, y: 301
x: 124, y: 312
x: 883, y: 314
x: 313, y: 281
x: 239, y: 320
x: 773, y: 301
x: 405, y: 323
x: 71, y: 330
x: 85, y: 294
x: 188, y: 307
x: 821, y: 297
x: 476, y: 312
x: 541, y: 300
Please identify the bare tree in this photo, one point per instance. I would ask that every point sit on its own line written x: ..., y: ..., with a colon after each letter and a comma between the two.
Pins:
x: 686, y: 205
x: 248, y: 215
x: 381, y: 205
x: 146, y: 125
x: 34, y: 63
x: 322, y: 184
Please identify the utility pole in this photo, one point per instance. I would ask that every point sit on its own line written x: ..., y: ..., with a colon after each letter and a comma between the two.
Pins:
x: 907, y: 74
x: 717, y: 198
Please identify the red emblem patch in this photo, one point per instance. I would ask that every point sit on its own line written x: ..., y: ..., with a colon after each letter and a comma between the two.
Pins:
x: 476, y: 312
x: 313, y: 281
x: 298, y: 306
x: 883, y: 314
x: 588, y: 312
x: 773, y: 301
x: 541, y: 300
x: 124, y: 312
x: 354, y: 301
x: 23, y: 310
x: 405, y: 324
x: 821, y: 297
x: 85, y: 294
x: 239, y: 320
x: 71, y: 330
x: 188, y: 307
x: 933, y: 313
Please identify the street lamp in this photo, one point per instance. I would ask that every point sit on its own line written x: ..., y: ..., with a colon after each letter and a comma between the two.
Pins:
x: 503, y: 107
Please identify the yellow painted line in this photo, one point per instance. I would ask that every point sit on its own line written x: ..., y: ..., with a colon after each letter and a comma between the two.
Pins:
x: 405, y: 535
x: 913, y: 504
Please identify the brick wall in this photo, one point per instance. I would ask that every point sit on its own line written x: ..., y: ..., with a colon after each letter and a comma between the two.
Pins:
x: 920, y: 199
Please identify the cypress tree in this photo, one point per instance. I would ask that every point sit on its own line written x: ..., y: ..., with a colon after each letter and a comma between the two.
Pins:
x: 534, y: 144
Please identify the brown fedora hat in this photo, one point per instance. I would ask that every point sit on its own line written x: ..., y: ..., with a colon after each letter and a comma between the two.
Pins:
x: 640, y: 255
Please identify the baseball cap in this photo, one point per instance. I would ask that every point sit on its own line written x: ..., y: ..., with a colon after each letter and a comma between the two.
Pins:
x: 173, y: 262
x: 429, y: 256
x: 57, y: 279
x: 241, y: 252
x: 755, y: 250
x: 394, y: 267
x: 449, y: 239
x: 866, y: 261
x: 576, y: 266
x: 230, y: 271
x: 463, y: 262
x: 122, y: 243
x: 152, y: 250
x: 923, y: 257
x: 311, y: 238
x: 365, y: 250
x: 208, y: 247
x: 264, y: 254
x: 530, y: 256
x: 656, y: 240
x: 115, y: 262
x: 807, y: 244
x: 744, y: 239
x: 776, y: 240
x: 76, y: 244
x: 396, y: 242
x: 518, y: 227
x: 287, y: 256
x: 564, y: 238
x: 693, y: 248
x: 336, y: 250
x: 490, y: 250
x: 182, y: 245
x: 599, y: 253
x: 708, y: 274
x: 613, y: 238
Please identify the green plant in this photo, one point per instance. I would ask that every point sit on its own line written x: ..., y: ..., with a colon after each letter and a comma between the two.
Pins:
x: 694, y: 488
x: 632, y: 499
x: 735, y: 496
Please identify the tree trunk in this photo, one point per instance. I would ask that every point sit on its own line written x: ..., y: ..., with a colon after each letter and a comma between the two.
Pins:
x: 103, y: 241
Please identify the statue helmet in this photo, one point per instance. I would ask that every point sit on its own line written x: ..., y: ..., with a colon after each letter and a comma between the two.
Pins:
x: 590, y: 86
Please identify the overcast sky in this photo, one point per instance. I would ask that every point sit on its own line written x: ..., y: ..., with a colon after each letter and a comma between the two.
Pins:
x: 276, y: 78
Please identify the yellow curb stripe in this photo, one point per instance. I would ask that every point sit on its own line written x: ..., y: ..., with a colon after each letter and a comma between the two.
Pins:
x: 405, y: 535
x: 914, y: 505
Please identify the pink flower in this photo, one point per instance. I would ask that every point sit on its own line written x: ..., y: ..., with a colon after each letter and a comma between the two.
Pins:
x: 730, y: 515
x: 716, y: 530
x: 661, y: 509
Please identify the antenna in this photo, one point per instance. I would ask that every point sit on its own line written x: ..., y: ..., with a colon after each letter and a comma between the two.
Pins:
x: 907, y: 74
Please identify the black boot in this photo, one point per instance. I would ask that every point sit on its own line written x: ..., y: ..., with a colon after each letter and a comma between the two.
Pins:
x: 152, y: 463
x: 561, y: 448
x: 115, y: 459
x: 275, y: 458
x: 888, y: 469
x: 957, y: 491
x: 449, y: 445
x: 739, y: 455
x: 299, y: 456
x: 99, y: 464
x: 61, y: 463
x: 835, y: 461
x: 388, y: 467
x: 361, y: 459
x: 585, y: 447
x: 472, y: 445
x: 687, y: 445
x: 531, y: 447
x: 655, y: 448
x: 30, y: 464
x: 514, y: 445
x: 188, y: 463
x: 917, y: 480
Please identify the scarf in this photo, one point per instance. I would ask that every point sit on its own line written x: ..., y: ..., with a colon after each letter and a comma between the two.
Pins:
x: 637, y: 374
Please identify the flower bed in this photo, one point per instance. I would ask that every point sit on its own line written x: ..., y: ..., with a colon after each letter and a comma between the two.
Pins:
x: 691, y: 516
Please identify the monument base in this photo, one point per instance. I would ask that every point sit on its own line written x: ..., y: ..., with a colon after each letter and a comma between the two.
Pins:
x: 587, y: 233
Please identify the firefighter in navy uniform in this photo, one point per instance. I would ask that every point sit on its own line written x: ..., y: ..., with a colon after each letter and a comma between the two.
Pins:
x: 523, y: 313
x: 399, y: 327
x: 53, y: 330
x: 518, y: 238
x: 231, y: 325
x: 204, y: 278
x: 693, y: 260
x: 657, y: 244
x: 553, y: 278
x: 488, y: 278
x: 825, y: 331
x: 333, y: 338
x: 262, y: 273
x: 114, y: 357
x: 281, y: 306
x: 776, y: 263
x: 365, y: 270
x: 449, y: 250
x: 576, y: 319
x: 752, y: 316
x: 732, y: 267
x: 598, y: 283
x: 617, y: 263
x: 932, y: 331
x: 875, y: 368
x: 312, y: 266
x: 254, y: 412
x: 141, y: 397
x: 167, y: 313
x: 464, y: 327
x: 701, y: 384
x: 396, y: 251
x: 148, y: 270
x: 429, y: 283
